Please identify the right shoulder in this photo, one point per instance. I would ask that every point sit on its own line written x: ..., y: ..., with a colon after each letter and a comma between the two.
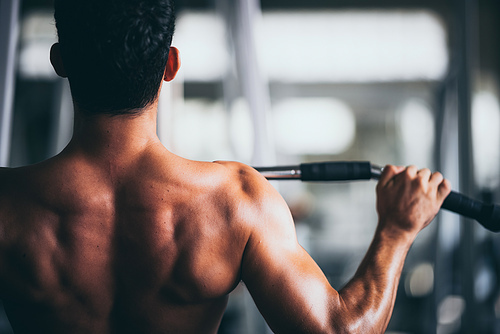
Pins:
x: 258, y: 203
x: 243, y: 178
x: 246, y: 181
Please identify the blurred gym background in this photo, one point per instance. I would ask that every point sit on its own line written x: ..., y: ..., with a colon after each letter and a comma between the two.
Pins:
x: 280, y: 82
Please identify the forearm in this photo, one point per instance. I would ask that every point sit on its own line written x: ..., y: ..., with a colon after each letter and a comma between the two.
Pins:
x: 368, y: 299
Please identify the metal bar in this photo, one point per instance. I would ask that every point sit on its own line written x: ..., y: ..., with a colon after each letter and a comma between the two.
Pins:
x: 376, y: 171
x: 9, y: 31
x: 295, y: 172
x: 281, y: 173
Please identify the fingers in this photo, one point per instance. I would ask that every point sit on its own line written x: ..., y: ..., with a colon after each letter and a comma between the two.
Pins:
x: 412, y: 171
x: 424, y: 174
x: 408, y: 198
x: 435, y: 180
x: 388, y: 173
x: 391, y: 171
x: 444, y: 189
x: 443, y: 186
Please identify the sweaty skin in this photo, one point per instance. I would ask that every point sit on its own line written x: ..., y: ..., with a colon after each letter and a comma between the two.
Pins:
x: 118, y: 235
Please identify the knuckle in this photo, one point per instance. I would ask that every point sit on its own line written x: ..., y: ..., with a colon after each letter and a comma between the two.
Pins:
x: 390, y: 168
x: 412, y: 168
x: 424, y: 174
x: 410, y: 171
x: 438, y: 175
x: 425, y: 171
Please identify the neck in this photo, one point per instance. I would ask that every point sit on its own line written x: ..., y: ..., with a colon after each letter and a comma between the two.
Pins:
x: 115, y: 136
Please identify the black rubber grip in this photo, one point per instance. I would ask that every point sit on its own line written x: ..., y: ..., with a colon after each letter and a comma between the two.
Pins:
x: 487, y: 215
x: 336, y: 171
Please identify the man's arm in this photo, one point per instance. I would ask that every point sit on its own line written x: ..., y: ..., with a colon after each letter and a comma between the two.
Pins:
x: 291, y: 291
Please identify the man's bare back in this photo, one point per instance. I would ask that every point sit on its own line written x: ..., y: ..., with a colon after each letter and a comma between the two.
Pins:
x: 118, y: 235
x: 154, y: 245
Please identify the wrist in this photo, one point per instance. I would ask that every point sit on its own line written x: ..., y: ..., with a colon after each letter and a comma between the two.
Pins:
x: 394, y: 231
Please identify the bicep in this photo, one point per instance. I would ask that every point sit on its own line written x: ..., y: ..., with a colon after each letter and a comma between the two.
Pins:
x: 288, y: 287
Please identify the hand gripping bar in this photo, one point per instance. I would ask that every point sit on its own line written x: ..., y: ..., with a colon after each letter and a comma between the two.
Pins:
x: 488, y: 215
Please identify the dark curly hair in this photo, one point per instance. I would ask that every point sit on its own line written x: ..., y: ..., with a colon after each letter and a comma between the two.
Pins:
x: 114, y: 51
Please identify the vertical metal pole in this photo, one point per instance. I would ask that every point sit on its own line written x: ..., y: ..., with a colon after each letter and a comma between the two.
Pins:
x: 254, y: 85
x: 449, y: 229
x: 467, y: 25
x: 9, y: 30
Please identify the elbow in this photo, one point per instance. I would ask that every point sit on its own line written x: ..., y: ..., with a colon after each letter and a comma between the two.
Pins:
x: 359, y: 326
x: 354, y: 320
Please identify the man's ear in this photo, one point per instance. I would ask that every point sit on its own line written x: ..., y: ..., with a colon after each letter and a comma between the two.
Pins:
x: 173, y: 64
x: 56, y: 60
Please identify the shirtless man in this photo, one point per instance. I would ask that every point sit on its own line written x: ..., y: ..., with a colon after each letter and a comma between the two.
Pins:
x: 118, y: 235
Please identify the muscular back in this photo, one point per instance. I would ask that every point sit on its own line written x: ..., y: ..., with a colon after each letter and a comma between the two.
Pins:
x: 154, y: 244
x: 125, y: 237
